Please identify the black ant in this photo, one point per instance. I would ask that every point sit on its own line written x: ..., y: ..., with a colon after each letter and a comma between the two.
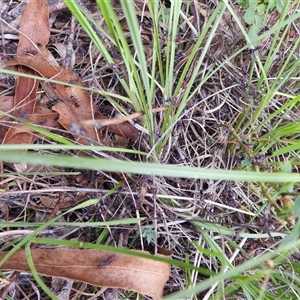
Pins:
x: 75, y: 101
x: 52, y: 102
x: 259, y: 159
x: 42, y: 122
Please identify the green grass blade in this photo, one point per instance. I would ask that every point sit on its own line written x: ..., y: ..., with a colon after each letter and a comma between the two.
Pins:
x: 144, y: 168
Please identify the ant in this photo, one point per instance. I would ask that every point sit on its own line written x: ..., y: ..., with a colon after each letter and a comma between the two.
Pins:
x: 259, y: 159
x: 52, y: 102
x: 42, y: 122
x: 75, y: 101
x: 253, y: 51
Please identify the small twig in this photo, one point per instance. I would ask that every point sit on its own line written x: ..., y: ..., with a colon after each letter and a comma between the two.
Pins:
x: 105, y: 122
x: 70, y: 56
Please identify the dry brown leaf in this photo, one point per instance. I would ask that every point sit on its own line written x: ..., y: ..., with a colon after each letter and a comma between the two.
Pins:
x: 124, y: 129
x: 95, y: 267
x: 48, y: 120
x: 76, y: 104
x: 52, y: 201
x: 23, y: 105
x: 34, y: 29
x: 10, y: 22
x: 25, y: 95
x: 34, y: 35
x: 33, y: 38
x: 69, y: 117
x: 6, y: 104
x: 18, y: 133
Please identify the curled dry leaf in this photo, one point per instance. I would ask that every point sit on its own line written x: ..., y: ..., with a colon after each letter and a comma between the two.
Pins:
x: 48, y: 120
x: 34, y: 29
x: 11, y: 20
x: 99, y: 268
x: 34, y: 35
x: 76, y: 104
x: 23, y: 106
x: 18, y: 133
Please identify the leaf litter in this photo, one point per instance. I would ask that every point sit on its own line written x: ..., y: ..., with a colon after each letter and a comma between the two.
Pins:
x: 69, y: 106
x: 197, y: 141
x: 96, y: 267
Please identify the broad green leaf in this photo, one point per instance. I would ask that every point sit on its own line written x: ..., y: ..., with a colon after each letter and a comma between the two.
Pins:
x: 272, y: 4
x: 252, y: 4
x: 261, y: 9
x: 253, y: 35
x: 249, y: 16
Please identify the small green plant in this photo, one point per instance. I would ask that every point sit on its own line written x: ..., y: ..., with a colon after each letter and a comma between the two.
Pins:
x: 255, y: 15
x: 149, y: 234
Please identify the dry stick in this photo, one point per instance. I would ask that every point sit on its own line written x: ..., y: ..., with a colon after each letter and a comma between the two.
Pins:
x: 105, y: 122
x: 69, y: 61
